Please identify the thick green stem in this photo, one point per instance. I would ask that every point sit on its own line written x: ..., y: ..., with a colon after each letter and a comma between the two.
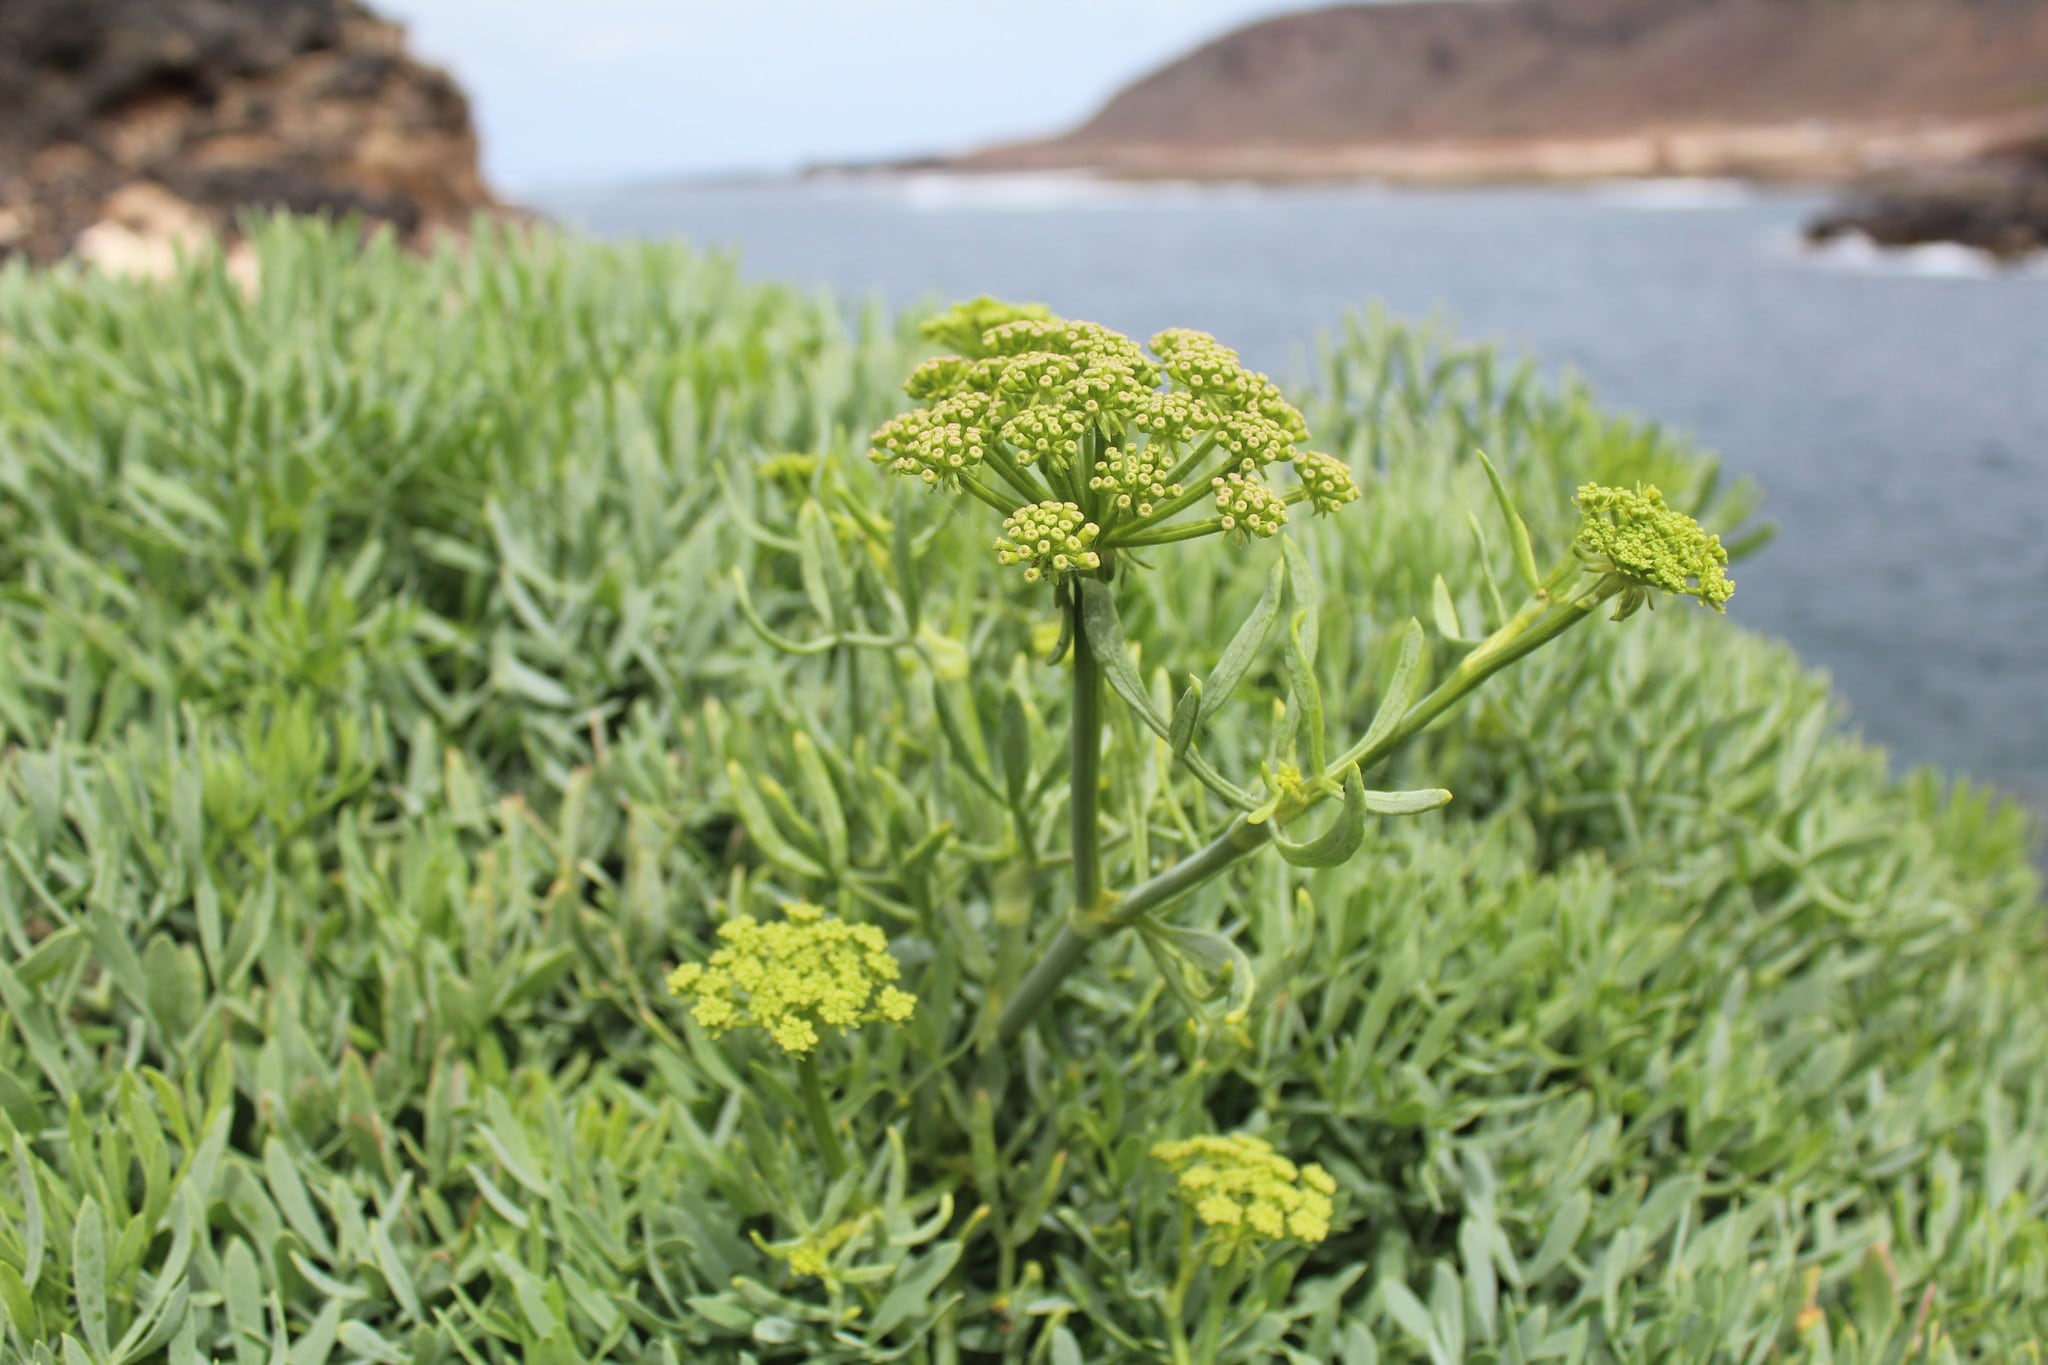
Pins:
x: 1222, y: 1287
x: 987, y: 495
x: 820, y: 1114
x: 1542, y: 620
x: 1177, y: 1296
x: 1014, y: 474
x: 1084, y: 771
x: 1167, y: 535
x: 1089, y: 922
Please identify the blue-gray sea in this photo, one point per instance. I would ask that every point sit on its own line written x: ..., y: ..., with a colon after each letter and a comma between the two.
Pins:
x: 1895, y: 408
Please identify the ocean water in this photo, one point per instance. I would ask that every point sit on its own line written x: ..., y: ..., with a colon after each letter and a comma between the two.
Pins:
x: 1894, y: 407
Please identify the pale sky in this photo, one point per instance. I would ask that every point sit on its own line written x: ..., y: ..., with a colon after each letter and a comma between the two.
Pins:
x: 571, y: 92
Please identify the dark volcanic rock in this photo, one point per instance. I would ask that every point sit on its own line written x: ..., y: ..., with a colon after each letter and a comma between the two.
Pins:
x: 166, y: 117
x: 1998, y: 205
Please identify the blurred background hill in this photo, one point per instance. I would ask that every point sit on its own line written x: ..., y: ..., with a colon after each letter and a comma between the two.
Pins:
x: 1516, y: 89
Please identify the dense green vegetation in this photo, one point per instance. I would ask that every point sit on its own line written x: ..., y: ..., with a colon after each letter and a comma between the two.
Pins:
x: 383, y: 720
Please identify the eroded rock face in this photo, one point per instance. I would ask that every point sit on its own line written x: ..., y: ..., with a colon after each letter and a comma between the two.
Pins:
x: 1998, y: 204
x: 130, y: 114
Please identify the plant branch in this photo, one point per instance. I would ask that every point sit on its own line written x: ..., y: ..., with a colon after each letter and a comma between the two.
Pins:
x: 1542, y: 619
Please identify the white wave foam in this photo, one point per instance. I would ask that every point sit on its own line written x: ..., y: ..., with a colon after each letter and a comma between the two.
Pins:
x: 1675, y: 194
x: 1854, y: 251
x: 1062, y: 191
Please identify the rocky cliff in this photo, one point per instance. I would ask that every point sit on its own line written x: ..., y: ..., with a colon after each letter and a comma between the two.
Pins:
x: 1570, y: 88
x: 129, y: 124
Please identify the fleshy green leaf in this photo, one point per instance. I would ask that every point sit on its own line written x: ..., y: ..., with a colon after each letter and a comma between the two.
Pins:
x: 1244, y: 646
x: 1341, y: 840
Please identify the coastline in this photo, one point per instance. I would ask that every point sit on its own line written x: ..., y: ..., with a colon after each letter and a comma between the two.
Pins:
x: 1810, y: 152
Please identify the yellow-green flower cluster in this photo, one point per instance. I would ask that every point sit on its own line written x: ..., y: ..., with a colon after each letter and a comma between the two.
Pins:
x: 1246, y: 1193
x: 1248, y: 507
x: 1253, y: 441
x: 1068, y: 423
x: 1199, y: 364
x: 795, y: 977
x: 1048, y: 538
x: 937, y: 444
x: 1327, y: 479
x: 813, y: 1255
x: 964, y: 324
x: 1635, y: 537
x: 1133, y: 479
x: 1049, y: 434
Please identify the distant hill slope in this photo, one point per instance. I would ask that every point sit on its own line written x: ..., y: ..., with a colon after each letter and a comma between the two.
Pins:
x: 1801, y: 86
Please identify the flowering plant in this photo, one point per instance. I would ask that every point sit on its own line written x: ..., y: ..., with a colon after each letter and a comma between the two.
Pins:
x: 1097, y: 459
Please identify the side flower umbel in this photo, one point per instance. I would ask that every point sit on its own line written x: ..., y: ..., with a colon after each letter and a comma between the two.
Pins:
x: 809, y: 972
x: 1088, y: 445
x: 1634, y: 540
x: 1245, y: 1193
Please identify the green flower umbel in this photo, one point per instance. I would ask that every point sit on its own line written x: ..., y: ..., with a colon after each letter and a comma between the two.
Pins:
x: 1088, y: 444
x: 1246, y: 1193
x: 1635, y: 538
x: 809, y: 972
x: 1048, y: 538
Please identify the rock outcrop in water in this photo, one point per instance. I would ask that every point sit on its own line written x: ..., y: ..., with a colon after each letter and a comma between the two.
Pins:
x: 1998, y: 205
x: 128, y: 127
x: 1572, y: 89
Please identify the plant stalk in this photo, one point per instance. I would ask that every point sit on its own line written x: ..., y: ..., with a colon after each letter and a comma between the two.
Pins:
x: 1086, y: 923
x: 820, y: 1114
x: 1084, y: 771
x: 1541, y: 620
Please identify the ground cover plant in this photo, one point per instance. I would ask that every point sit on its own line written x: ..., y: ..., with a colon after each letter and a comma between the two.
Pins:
x: 411, y: 664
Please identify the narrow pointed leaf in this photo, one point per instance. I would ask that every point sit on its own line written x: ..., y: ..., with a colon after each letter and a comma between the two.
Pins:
x: 1407, y: 803
x: 1337, y: 843
x: 1518, y: 530
x: 822, y: 797
x: 904, y: 554
x: 763, y: 830
x: 1402, y: 686
x: 1308, y: 697
x: 1182, y: 731
x: 89, y: 1274
x: 818, y: 563
x: 1244, y: 646
x: 1106, y: 637
x: 1445, y: 610
x: 762, y: 629
x: 1201, y: 966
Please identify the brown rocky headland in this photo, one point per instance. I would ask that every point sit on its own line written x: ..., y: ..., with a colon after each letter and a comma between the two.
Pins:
x: 1504, y: 90
x: 130, y: 128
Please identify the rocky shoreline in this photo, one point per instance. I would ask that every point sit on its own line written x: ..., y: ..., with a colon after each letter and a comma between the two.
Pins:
x: 133, y: 129
x: 1997, y: 205
x: 1807, y: 152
